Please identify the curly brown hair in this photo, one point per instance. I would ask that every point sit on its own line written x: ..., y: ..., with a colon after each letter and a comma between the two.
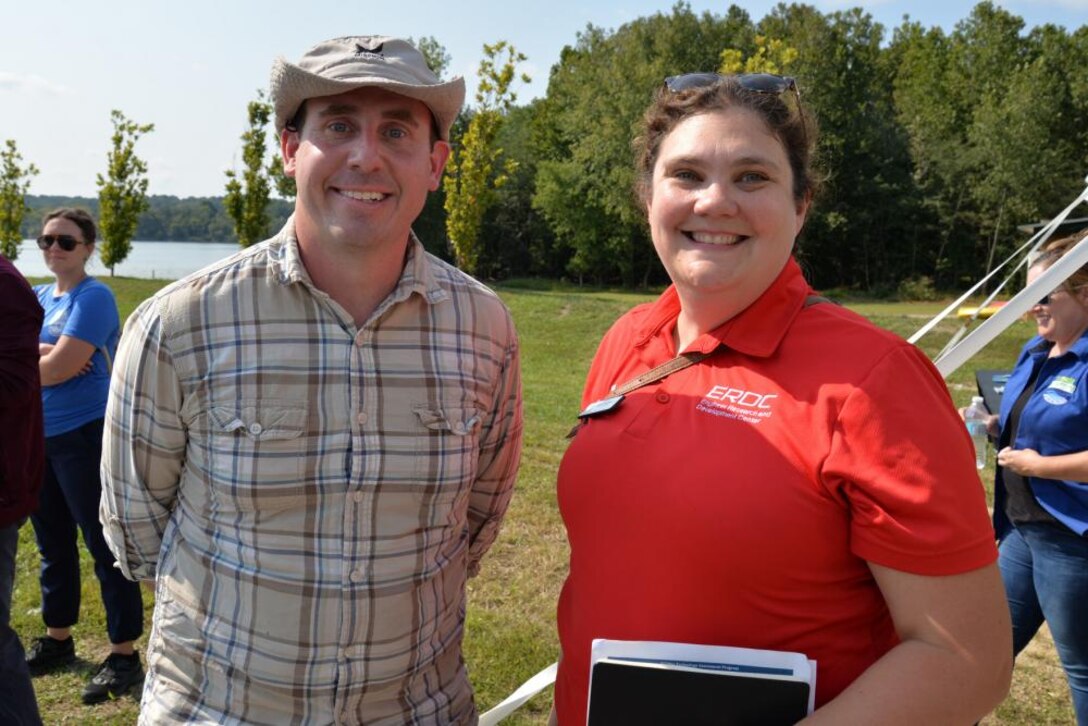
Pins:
x: 793, y: 127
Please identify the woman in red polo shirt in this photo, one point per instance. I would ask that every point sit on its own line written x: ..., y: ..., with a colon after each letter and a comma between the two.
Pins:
x: 806, y: 485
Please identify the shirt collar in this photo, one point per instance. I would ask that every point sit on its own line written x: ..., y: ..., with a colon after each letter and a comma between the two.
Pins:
x: 1039, y: 346
x: 757, y: 330
x: 418, y: 275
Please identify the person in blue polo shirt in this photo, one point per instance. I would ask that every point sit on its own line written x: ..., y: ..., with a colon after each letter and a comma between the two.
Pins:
x: 1041, y: 487
x: 78, y: 339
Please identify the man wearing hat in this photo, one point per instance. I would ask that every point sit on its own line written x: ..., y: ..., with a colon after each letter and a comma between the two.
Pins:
x: 311, y: 444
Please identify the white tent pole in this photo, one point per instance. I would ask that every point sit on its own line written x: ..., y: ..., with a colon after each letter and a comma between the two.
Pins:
x: 1037, y: 239
x: 1022, y: 302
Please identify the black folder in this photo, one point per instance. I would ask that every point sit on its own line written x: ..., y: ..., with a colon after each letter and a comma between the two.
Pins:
x: 634, y: 694
x: 991, y: 386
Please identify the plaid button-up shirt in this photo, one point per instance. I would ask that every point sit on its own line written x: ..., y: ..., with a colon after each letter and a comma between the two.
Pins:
x: 309, y: 495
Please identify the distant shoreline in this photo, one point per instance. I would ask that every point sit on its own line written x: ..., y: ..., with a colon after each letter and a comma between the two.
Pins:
x: 147, y: 260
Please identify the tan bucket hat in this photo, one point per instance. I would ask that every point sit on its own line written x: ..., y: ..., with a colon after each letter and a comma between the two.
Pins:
x: 344, y: 64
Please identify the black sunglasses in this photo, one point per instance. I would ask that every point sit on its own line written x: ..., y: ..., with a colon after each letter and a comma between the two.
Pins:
x: 756, y: 82
x: 1045, y: 299
x: 65, y: 241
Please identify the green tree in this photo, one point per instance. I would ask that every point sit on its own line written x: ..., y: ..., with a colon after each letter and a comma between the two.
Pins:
x: 597, y: 94
x: 475, y: 169
x: 516, y: 239
x: 122, y: 193
x: 14, y: 183
x: 861, y: 230
x: 434, y: 53
x: 246, y: 200
x: 997, y: 125
x: 770, y: 56
x: 283, y: 184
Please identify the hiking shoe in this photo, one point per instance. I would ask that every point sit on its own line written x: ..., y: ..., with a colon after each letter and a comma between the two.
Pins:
x: 117, y: 675
x: 46, y: 654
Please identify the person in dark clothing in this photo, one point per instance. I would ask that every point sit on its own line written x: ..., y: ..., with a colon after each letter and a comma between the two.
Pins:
x: 21, y: 452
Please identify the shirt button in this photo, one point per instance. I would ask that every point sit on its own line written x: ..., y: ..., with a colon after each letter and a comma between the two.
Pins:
x: 356, y: 575
x: 357, y: 497
x: 362, y: 418
x: 662, y: 397
x: 255, y: 429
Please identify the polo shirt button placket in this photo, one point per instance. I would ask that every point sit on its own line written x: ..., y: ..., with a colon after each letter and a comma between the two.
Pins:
x: 662, y: 397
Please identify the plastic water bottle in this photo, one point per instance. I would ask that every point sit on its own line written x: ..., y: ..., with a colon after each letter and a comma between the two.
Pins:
x: 976, y: 417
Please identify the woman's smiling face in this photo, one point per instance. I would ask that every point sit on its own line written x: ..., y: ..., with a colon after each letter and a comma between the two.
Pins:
x: 721, y: 208
x: 1065, y: 317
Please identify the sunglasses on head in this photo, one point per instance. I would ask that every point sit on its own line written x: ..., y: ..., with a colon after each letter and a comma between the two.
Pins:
x: 756, y: 82
x: 65, y: 241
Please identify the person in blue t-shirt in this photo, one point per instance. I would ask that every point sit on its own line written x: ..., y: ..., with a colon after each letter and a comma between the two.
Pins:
x: 78, y: 339
x: 1041, y: 483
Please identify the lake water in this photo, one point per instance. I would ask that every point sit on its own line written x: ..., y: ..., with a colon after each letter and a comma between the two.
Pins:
x: 158, y: 260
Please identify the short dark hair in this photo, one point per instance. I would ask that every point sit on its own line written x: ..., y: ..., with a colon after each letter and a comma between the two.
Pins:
x: 297, y: 120
x: 793, y: 127
x: 79, y: 217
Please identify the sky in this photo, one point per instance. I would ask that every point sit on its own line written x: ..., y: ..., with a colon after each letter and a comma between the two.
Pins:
x: 190, y: 67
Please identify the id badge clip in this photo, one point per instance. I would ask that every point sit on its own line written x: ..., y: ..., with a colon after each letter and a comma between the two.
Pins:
x: 603, y: 405
x: 596, y: 408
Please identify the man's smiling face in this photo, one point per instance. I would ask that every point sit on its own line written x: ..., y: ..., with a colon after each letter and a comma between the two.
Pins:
x: 363, y: 163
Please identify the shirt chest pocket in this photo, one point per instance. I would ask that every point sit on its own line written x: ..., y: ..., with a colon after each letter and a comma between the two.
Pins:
x: 429, y: 455
x: 447, y: 442
x: 257, y: 455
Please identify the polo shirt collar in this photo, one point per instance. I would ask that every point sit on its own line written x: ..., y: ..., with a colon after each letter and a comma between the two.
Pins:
x: 1040, y: 347
x: 756, y: 331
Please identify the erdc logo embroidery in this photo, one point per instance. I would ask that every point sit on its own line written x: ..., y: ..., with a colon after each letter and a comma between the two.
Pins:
x: 737, y: 404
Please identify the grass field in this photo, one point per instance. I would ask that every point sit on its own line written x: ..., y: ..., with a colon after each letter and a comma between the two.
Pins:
x: 511, y: 620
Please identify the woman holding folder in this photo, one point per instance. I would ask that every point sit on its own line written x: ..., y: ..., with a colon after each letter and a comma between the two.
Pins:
x: 795, y: 478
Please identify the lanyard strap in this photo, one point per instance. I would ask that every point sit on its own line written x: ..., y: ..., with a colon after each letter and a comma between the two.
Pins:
x: 666, y: 369
x: 682, y: 361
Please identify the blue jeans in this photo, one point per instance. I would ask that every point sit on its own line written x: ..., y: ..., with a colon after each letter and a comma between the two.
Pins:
x: 1045, y: 569
x: 70, y: 495
x: 17, y: 703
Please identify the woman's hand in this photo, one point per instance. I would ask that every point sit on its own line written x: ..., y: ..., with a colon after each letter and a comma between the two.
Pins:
x: 992, y: 429
x: 1028, y: 462
x: 70, y: 357
x: 1025, y: 462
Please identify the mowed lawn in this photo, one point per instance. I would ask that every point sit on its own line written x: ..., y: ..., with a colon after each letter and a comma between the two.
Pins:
x: 511, y: 613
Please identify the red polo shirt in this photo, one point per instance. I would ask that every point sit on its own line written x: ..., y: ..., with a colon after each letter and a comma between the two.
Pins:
x: 737, y: 501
